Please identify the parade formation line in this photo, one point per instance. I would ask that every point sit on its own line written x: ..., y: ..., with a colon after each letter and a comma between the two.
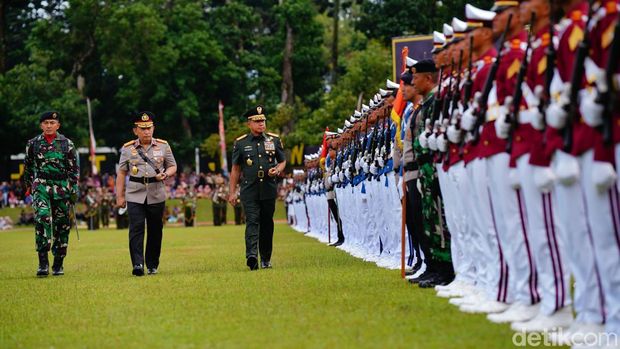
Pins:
x: 204, y: 296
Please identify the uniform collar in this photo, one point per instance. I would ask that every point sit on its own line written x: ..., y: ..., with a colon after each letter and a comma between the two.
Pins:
x: 260, y: 136
x: 136, y: 143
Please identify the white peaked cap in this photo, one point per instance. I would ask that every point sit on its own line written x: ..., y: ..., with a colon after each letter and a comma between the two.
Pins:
x: 383, y: 92
x: 391, y: 84
x: 458, y: 25
x: 476, y: 14
x: 357, y: 114
x: 365, y: 108
x: 411, y: 62
x: 439, y: 38
x: 447, y: 31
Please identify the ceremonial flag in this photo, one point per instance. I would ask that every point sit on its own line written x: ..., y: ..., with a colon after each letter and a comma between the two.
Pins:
x: 93, y: 143
x: 399, y: 104
x: 223, y: 161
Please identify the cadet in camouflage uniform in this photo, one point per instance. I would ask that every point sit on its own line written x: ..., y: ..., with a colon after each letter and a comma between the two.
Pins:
x: 439, y: 271
x: 259, y: 156
x: 51, y: 171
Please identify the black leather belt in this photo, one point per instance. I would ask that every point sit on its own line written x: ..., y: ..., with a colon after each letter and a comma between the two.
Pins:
x: 260, y: 174
x: 143, y: 180
x: 412, y: 166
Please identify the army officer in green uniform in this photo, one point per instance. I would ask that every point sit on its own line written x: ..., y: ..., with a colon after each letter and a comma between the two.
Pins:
x: 259, y: 157
x: 148, y: 161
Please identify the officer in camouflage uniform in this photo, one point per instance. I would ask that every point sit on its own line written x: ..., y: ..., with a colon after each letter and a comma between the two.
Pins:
x: 259, y: 156
x: 51, y: 172
x: 220, y: 196
x: 439, y: 268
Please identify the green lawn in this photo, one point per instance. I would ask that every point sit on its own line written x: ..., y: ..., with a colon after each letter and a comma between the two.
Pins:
x: 204, y: 211
x: 204, y: 296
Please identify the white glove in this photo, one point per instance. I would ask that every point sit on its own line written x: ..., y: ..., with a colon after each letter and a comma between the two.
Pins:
x: 468, y: 121
x: 567, y: 169
x: 341, y: 177
x: 374, y: 169
x: 513, y: 178
x: 544, y: 178
x: 537, y: 119
x: 442, y: 143
x: 432, y: 142
x: 454, y: 135
x: 603, y: 175
x: 365, y: 166
x: 380, y: 161
x: 358, y: 164
x: 591, y: 111
x: 423, y: 140
x: 502, y: 127
x: 556, y: 116
x: 335, y: 178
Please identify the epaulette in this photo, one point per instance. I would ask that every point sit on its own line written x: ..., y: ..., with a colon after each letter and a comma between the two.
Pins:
x: 273, y: 134
x: 159, y: 140
x: 128, y: 144
x: 241, y: 137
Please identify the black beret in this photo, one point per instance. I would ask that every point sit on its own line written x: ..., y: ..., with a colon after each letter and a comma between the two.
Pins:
x: 425, y: 66
x: 255, y: 114
x: 144, y: 119
x: 407, y: 77
x: 49, y: 115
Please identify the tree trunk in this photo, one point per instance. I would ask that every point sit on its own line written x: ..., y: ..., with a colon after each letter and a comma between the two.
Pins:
x: 287, y: 68
x: 186, y: 126
x: 2, y: 37
x: 336, y: 14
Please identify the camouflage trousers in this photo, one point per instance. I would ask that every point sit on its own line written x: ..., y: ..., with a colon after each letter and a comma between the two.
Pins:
x: 433, y: 214
x: 52, y: 222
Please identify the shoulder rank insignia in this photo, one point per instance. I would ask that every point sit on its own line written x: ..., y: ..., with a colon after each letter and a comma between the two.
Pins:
x: 273, y: 134
x: 576, y: 35
x: 542, y: 65
x: 159, y: 140
x: 607, y: 36
x: 241, y: 137
x: 128, y: 144
x: 513, y: 69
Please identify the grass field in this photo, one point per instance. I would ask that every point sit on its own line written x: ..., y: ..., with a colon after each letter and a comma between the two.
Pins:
x: 204, y: 211
x: 204, y: 297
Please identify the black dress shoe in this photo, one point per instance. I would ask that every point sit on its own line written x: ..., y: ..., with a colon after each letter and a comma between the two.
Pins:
x: 425, y: 275
x: 44, y: 265
x: 439, y: 279
x: 265, y: 264
x: 138, y: 270
x: 252, y: 263
x: 57, y: 268
x: 151, y: 271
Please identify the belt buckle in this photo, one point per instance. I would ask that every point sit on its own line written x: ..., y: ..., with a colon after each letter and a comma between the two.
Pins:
x: 145, y: 180
x: 260, y: 174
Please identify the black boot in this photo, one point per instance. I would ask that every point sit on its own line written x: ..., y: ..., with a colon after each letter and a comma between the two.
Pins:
x: 44, y: 265
x: 57, y: 268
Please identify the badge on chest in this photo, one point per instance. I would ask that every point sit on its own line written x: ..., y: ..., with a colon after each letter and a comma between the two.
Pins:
x: 270, y: 146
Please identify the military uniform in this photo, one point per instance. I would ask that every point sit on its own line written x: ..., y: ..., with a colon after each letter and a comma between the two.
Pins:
x: 255, y: 155
x: 145, y: 195
x: 189, y: 209
x: 51, y: 171
x: 220, y: 194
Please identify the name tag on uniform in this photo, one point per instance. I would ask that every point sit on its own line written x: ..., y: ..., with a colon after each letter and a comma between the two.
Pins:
x: 157, y: 153
x: 247, y: 148
x: 269, y: 145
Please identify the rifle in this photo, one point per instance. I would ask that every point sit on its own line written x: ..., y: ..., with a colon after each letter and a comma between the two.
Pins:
x: 448, y: 99
x: 572, y: 108
x: 545, y: 94
x: 483, y: 100
x: 438, y: 100
x: 456, y: 95
x: 608, y: 91
x: 513, y: 114
x: 469, y: 82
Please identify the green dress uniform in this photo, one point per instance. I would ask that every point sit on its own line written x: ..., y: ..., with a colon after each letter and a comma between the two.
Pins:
x: 51, y: 170
x: 256, y: 155
x: 145, y: 195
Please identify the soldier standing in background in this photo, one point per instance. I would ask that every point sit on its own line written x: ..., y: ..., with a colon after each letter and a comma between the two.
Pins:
x: 220, y: 195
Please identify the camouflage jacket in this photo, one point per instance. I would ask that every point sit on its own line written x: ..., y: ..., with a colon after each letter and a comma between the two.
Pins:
x: 53, y: 168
